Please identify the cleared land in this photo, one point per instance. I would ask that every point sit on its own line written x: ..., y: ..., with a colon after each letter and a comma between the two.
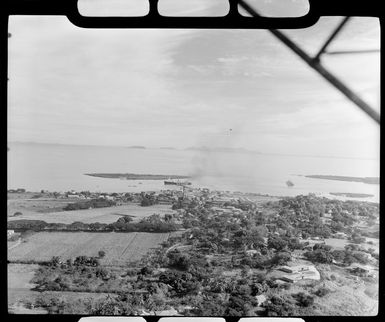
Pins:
x: 341, y: 243
x: 33, y: 206
x: 19, y: 288
x: 348, y: 296
x: 120, y: 248
x: 103, y: 215
x: 20, y: 291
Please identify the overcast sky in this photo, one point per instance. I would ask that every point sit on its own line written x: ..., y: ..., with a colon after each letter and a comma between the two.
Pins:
x: 186, y: 88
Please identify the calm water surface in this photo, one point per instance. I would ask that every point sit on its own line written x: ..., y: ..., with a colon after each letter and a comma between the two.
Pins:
x: 62, y: 167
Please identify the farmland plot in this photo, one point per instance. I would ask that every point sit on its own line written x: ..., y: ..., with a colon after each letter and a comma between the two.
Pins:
x: 120, y: 248
x: 105, y: 215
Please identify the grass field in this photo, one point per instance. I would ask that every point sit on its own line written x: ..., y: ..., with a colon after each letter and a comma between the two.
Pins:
x: 340, y: 243
x: 33, y: 206
x: 120, y: 248
x: 348, y: 296
x: 19, y: 288
x: 337, y: 243
x: 103, y: 215
x: 20, y: 293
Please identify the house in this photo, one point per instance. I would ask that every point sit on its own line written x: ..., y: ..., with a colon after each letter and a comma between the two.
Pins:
x: 326, y: 220
x: 286, y: 269
x: 340, y: 235
x: 73, y: 196
x: 169, y: 312
x: 359, y: 270
x: 299, y: 272
x: 288, y: 278
x: 10, y: 232
x: 260, y: 299
x: 328, y: 215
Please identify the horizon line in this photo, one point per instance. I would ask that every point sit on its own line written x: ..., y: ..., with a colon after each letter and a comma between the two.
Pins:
x: 199, y: 148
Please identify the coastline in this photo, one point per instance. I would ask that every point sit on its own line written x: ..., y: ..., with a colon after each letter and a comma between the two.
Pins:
x: 135, y: 176
x: 367, y: 180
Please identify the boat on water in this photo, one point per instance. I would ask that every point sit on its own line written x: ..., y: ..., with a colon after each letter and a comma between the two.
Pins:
x: 289, y: 183
x: 177, y: 182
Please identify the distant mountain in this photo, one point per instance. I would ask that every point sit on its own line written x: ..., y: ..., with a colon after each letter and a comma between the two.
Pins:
x: 221, y: 149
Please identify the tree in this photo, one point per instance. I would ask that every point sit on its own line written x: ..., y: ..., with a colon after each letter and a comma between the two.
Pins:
x: 322, y: 291
x: 320, y: 256
x: 124, y: 220
x: 338, y: 255
x: 304, y: 299
x: 280, y: 259
x: 294, y: 243
x: 322, y: 246
x: 277, y: 243
x: 146, y: 270
x: 357, y: 238
x: 178, y: 260
x: 101, y: 253
x: 55, y: 261
x: 102, y: 273
x: 147, y: 200
x: 279, y: 306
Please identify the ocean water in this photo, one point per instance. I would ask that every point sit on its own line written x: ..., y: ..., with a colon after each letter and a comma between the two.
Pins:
x: 62, y: 167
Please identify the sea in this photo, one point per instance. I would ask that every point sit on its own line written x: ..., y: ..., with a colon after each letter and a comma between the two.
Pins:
x: 54, y: 167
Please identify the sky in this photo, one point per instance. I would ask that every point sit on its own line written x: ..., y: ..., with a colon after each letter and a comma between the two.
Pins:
x: 182, y: 88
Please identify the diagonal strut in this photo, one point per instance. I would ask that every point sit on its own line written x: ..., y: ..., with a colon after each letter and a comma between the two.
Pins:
x: 314, y: 63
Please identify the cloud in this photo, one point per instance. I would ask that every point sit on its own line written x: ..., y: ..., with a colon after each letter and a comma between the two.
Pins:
x: 186, y: 87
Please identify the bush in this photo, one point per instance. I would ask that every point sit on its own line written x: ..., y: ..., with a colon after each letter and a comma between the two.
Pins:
x: 279, y: 306
x: 322, y: 291
x: 304, y: 299
x: 178, y: 260
x: 320, y: 256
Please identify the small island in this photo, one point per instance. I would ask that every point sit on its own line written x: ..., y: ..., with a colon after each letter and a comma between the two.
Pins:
x: 351, y: 194
x: 137, y: 147
x: 368, y: 180
x: 135, y: 176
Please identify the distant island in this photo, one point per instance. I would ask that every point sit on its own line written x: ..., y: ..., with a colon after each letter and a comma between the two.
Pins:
x: 134, y: 176
x: 136, y: 147
x: 351, y: 194
x: 220, y: 149
x: 369, y: 180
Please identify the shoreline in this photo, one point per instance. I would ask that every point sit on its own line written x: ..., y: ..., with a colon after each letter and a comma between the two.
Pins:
x: 135, y: 176
x: 366, y: 180
x: 357, y: 197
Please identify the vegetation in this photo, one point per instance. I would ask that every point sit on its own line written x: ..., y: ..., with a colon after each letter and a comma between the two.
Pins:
x: 87, y: 204
x: 154, y: 223
x: 220, y: 262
